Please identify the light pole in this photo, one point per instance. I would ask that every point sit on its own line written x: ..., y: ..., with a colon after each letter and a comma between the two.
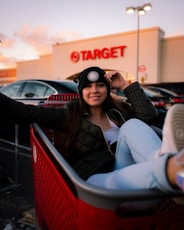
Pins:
x: 140, y: 11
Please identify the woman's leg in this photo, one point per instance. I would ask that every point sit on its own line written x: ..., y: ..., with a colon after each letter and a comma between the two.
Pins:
x: 165, y: 172
x: 146, y: 175
x: 137, y: 142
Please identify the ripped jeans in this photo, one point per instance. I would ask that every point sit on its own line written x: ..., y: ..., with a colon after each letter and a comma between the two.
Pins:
x: 135, y: 164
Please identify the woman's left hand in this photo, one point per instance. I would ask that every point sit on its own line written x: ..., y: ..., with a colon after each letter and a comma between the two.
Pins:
x: 116, y: 80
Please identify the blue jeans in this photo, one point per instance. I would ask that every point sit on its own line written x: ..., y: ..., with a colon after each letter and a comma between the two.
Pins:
x: 135, y: 165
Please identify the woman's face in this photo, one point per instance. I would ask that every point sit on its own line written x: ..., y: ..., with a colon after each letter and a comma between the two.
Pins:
x: 95, y: 93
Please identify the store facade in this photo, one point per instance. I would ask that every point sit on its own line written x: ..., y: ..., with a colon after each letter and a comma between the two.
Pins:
x: 7, y: 76
x: 160, y: 59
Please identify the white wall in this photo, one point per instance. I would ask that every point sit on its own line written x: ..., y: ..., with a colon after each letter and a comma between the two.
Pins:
x: 40, y: 68
x: 172, y: 59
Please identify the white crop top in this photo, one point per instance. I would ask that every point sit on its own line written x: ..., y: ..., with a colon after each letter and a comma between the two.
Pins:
x: 111, y: 135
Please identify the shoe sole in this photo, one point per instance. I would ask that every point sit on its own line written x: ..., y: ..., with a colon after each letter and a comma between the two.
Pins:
x: 177, y: 124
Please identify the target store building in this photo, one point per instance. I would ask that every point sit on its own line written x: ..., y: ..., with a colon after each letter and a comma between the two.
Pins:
x: 160, y: 59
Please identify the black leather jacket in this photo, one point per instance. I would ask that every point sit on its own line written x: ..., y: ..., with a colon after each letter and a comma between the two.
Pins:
x: 91, y: 154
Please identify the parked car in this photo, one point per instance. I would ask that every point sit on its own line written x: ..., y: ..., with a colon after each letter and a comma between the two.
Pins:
x: 158, y: 100
x: 172, y: 96
x: 37, y: 91
x: 161, y: 103
x: 177, y: 87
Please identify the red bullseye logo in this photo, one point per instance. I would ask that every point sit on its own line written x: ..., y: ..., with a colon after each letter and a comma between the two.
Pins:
x: 75, y: 56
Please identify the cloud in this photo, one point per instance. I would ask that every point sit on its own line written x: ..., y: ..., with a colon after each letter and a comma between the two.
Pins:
x: 41, y: 38
x: 28, y: 43
x: 37, y: 38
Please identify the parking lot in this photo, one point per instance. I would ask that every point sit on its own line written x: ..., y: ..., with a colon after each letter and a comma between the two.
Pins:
x: 17, y: 193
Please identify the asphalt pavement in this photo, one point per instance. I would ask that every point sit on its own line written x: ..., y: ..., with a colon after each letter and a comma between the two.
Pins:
x: 17, y: 208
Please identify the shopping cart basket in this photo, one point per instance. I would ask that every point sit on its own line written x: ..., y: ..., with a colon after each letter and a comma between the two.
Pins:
x: 64, y: 201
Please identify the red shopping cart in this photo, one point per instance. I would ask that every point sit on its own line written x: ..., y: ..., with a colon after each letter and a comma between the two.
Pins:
x: 64, y: 201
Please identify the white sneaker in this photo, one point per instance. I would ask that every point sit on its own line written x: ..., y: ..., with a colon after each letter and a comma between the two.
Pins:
x: 173, y: 130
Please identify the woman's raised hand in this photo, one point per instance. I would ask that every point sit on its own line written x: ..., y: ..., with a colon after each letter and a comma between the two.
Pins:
x: 116, y: 80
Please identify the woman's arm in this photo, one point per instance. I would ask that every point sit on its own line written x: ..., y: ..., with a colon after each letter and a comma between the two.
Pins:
x: 141, y: 104
x: 20, y: 113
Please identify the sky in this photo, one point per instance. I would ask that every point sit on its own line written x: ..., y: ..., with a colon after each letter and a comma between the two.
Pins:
x: 28, y: 29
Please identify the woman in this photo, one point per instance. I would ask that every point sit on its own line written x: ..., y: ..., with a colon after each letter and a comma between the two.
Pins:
x: 107, y: 142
